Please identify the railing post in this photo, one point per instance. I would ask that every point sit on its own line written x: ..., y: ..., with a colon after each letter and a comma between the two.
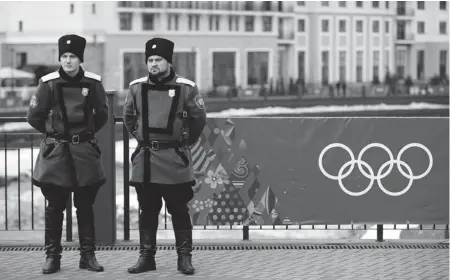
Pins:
x: 446, y: 233
x: 245, y: 233
x: 105, y: 203
x: 126, y: 182
x: 69, y: 228
x: 380, y: 233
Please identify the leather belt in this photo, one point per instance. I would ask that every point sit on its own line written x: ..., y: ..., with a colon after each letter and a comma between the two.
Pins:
x: 73, y: 138
x: 160, y: 145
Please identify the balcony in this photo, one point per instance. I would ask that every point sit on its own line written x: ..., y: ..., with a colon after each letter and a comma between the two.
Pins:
x: 405, y: 38
x: 285, y: 35
x: 405, y: 13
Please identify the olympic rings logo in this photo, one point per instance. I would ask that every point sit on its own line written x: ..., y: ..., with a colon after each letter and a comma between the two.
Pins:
x: 380, y: 174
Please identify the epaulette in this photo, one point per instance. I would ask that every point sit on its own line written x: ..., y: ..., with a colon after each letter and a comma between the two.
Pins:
x: 50, y: 76
x: 185, y: 81
x: 92, y: 76
x: 140, y: 80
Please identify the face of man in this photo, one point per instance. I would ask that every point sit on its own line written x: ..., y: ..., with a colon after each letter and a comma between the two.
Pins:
x: 157, y: 66
x: 70, y: 63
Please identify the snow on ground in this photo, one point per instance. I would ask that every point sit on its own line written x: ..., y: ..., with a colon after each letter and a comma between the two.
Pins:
x: 9, y: 127
x: 323, y: 109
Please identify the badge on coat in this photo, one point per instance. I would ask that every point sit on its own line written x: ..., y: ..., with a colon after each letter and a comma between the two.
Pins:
x: 33, y: 102
x: 171, y: 92
x: 199, y: 101
x: 84, y: 91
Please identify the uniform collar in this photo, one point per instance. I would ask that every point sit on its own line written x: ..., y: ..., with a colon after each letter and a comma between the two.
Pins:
x: 68, y: 78
x: 164, y: 80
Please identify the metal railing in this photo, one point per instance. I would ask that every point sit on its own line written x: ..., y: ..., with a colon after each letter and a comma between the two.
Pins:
x: 28, y: 140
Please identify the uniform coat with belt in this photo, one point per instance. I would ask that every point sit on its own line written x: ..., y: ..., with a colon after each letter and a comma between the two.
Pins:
x: 72, y: 109
x: 167, y: 111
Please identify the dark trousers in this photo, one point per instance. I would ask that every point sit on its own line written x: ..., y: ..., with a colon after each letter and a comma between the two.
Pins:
x: 84, y: 199
x: 176, y: 198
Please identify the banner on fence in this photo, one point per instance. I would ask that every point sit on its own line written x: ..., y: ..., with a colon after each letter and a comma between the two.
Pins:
x: 322, y: 171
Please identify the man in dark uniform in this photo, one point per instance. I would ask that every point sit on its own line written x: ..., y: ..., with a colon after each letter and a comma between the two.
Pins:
x: 69, y: 107
x: 165, y: 114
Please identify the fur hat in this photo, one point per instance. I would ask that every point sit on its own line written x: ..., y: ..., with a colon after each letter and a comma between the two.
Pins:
x: 159, y: 46
x: 72, y: 43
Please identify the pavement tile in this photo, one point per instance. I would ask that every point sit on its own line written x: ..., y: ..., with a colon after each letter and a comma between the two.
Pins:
x: 395, y: 264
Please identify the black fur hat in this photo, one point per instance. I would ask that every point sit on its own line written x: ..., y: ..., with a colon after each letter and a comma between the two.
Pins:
x: 72, y: 43
x: 161, y: 47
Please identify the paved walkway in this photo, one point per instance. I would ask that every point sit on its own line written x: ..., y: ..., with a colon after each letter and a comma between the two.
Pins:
x: 359, y: 263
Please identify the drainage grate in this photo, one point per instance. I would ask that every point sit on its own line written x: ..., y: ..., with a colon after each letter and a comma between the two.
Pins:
x: 246, y: 247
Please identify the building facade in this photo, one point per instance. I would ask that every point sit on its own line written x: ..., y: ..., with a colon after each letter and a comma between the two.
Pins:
x: 244, y: 43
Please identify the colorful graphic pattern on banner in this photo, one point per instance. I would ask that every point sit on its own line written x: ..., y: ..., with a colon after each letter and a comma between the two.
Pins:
x: 227, y: 186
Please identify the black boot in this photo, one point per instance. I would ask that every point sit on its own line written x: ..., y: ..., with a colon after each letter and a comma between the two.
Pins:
x: 86, y: 233
x: 53, y: 231
x: 183, y: 242
x: 147, y: 252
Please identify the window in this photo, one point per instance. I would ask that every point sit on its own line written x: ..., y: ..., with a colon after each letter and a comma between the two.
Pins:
x: 386, y: 5
x: 125, y: 20
x: 233, y: 23
x: 72, y: 8
x: 301, y: 65
x: 21, y: 59
x: 301, y: 25
x: 375, y: 4
x: 421, y: 5
x: 300, y: 3
x: 359, y: 66
x: 375, y: 26
x: 401, y: 8
x: 442, y: 27
x: 376, y: 65
x: 224, y: 69
x: 386, y: 26
x: 257, y: 68
x: 342, y: 26
x: 342, y: 3
x: 184, y: 63
x: 146, y: 4
x: 124, y: 4
x: 172, y: 23
x: 325, y: 67
x: 325, y: 3
x: 325, y: 27
x: 420, y: 64
x: 267, y: 23
x: 342, y: 64
x: 193, y: 22
x: 148, y: 21
x: 386, y: 59
x: 401, y: 30
x: 359, y: 4
x: 443, y: 63
x: 266, y: 6
x: 443, y: 5
x: 421, y: 27
x: 93, y: 9
x: 359, y: 26
x: 249, y: 24
x: 400, y: 61
x: 133, y: 67
x: 248, y: 5
x: 20, y: 26
x: 214, y: 22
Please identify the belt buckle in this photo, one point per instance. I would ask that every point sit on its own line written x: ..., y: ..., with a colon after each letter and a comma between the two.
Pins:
x: 75, y: 139
x: 155, y: 145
